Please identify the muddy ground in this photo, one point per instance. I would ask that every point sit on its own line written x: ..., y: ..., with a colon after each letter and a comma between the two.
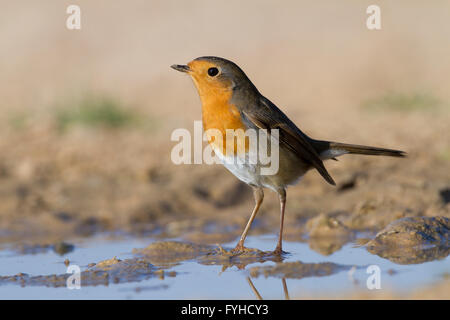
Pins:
x: 66, y: 172
x: 61, y: 186
x: 158, y: 259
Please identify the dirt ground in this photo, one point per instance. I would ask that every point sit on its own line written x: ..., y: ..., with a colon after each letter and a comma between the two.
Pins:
x: 66, y: 174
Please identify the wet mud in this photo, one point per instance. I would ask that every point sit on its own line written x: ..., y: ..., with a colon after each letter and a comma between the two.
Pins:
x: 297, y: 270
x: 405, y: 241
x: 413, y: 240
x: 102, y: 273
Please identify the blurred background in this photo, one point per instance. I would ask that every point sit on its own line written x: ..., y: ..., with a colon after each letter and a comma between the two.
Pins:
x: 86, y: 115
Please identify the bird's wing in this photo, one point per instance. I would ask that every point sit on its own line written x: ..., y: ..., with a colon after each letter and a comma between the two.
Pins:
x: 268, y: 116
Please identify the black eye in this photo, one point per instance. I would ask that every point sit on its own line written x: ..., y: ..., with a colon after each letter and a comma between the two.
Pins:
x: 213, y: 72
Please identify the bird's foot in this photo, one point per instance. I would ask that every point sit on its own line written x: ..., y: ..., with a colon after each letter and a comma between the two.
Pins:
x: 239, y: 249
x: 278, y: 252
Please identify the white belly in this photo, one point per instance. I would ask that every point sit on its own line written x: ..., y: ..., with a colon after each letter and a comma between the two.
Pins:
x: 243, y: 170
x: 290, y: 169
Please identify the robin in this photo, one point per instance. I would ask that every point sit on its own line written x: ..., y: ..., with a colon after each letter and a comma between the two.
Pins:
x: 231, y: 101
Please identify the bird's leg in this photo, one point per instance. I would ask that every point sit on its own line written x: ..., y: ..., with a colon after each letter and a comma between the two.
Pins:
x: 285, y: 289
x: 255, y: 291
x: 258, y: 193
x: 282, y: 196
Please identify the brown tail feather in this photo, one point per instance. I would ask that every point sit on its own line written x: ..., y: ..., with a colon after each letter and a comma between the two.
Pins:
x: 358, y: 149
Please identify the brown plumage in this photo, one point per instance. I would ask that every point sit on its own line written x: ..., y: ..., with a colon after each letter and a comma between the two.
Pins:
x: 322, y: 146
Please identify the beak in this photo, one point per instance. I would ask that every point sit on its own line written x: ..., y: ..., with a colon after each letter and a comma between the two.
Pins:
x: 180, y: 67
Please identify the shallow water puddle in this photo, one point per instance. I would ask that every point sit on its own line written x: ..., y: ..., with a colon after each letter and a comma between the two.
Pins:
x: 203, y: 272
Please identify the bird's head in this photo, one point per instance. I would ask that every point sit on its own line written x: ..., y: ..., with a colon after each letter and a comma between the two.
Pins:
x: 214, y: 74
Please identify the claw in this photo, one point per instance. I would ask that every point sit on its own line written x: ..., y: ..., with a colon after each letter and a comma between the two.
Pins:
x: 238, y: 249
x: 278, y: 252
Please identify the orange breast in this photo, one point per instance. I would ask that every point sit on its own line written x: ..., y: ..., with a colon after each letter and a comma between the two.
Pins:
x: 218, y: 114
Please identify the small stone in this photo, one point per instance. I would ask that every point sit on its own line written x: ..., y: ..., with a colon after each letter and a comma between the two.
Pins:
x: 62, y: 248
x: 172, y: 274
